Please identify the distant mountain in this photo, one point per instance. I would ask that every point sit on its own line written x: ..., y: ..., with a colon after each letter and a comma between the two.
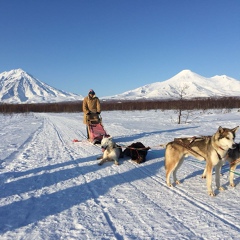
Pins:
x: 186, y: 84
x: 17, y: 86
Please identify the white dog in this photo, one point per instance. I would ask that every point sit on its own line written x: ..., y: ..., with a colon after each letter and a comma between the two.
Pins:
x: 111, y: 151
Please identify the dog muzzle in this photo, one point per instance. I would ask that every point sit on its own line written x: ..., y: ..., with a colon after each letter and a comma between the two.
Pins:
x: 234, y: 145
x: 103, y: 148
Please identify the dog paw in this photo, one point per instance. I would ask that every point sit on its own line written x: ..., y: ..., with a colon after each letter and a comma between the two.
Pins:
x: 177, y: 182
x: 212, y: 194
x: 232, y: 184
x: 169, y: 185
x: 203, y: 176
x: 116, y: 163
x: 221, y: 188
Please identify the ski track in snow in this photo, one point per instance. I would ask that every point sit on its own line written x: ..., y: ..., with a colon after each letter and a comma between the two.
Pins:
x: 53, y: 188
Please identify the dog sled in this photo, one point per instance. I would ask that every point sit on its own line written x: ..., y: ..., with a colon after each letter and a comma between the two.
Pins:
x: 96, y: 131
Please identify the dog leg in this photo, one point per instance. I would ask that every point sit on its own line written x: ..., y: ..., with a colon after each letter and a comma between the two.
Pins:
x: 204, y: 172
x: 172, y: 168
x: 231, y: 175
x: 175, y: 171
x: 103, y: 161
x: 169, y: 166
x: 115, y: 159
x: 169, y: 169
x: 209, y: 169
x: 172, y: 159
x: 218, y: 168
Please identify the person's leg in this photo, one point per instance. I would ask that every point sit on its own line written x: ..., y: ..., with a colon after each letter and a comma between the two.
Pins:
x: 87, y: 132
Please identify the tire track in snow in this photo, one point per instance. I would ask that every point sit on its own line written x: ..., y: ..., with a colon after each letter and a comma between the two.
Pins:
x: 94, y: 194
x: 23, y: 146
x: 99, y: 206
x: 51, y: 128
x: 154, y: 204
x: 117, y: 175
x: 208, y: 208
x: 193, y: 200
x: 66, y: 133
x: 33, y: 145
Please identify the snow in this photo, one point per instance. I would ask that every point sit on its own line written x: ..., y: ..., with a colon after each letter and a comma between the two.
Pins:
x: 192, y: 83
x: 17, y: 86
x: 53, y: 188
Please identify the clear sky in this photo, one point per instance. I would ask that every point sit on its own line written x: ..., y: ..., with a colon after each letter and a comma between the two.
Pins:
x: 113, y: 46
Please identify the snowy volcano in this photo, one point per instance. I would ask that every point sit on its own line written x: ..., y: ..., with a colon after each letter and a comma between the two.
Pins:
x: 185, y: 84
x: 17, y: 86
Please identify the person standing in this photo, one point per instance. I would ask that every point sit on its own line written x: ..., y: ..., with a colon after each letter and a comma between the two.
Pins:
x: 91, y: 104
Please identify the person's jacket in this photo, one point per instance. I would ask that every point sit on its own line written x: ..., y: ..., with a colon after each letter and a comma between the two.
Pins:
x: 90, y: 105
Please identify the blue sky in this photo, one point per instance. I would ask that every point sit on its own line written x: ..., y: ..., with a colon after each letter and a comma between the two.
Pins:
x: 113, y: 46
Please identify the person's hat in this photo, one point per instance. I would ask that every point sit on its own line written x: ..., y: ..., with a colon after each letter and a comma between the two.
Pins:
x: 91, y: 92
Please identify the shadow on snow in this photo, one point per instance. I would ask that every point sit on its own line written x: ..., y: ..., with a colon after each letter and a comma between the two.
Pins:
x: 144, y: 134
x: 23, y: 212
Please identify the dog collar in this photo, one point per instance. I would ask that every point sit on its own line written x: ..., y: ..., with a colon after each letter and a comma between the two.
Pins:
x: 221, y: 148
x: 219, y: 156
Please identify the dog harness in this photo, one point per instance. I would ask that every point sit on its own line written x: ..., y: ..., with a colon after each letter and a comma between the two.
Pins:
x: 191, y: 140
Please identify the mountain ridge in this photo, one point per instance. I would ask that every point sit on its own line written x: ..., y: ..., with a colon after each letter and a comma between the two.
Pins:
x: 185, y: 83
x: 18, y: 86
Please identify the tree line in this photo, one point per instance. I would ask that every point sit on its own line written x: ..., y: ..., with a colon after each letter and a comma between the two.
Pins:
x: 126, y: 105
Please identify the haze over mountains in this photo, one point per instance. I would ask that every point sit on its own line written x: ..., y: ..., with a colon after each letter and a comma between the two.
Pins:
x: 17, y: 86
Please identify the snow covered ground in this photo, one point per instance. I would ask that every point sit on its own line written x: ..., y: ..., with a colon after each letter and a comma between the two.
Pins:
x: 53, y: 188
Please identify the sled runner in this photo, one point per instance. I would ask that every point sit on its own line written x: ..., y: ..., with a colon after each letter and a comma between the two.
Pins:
x: 95, y: 128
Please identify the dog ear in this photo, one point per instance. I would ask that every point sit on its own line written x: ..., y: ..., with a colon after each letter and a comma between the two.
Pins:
x: 235, y: 129
x: 220, y: 130
x: 107, y: 136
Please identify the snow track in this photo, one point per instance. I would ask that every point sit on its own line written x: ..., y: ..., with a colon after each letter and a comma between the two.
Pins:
x: 53, y: 188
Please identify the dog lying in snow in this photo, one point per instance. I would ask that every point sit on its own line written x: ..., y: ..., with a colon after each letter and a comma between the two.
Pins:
x: 111, y: 151
x: 137, y: 151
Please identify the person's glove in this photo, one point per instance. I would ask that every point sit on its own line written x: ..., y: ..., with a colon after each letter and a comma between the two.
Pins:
x: 88, y: 113
x: 98, y: 112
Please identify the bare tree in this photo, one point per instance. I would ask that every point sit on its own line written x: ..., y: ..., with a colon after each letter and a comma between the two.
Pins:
x: 181, y: 93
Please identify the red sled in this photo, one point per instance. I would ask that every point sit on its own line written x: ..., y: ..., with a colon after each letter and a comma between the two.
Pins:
x: 96, y: 131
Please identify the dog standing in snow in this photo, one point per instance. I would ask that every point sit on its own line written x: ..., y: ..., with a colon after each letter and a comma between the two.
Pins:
x: 233, y: 157
x: 111, y: 151
x: 213, y: 149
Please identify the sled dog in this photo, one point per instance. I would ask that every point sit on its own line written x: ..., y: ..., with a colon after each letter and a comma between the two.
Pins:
x: 111, y: 151
x: 233, y: 157
x: 212, y: 149
x: 137, y: 151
